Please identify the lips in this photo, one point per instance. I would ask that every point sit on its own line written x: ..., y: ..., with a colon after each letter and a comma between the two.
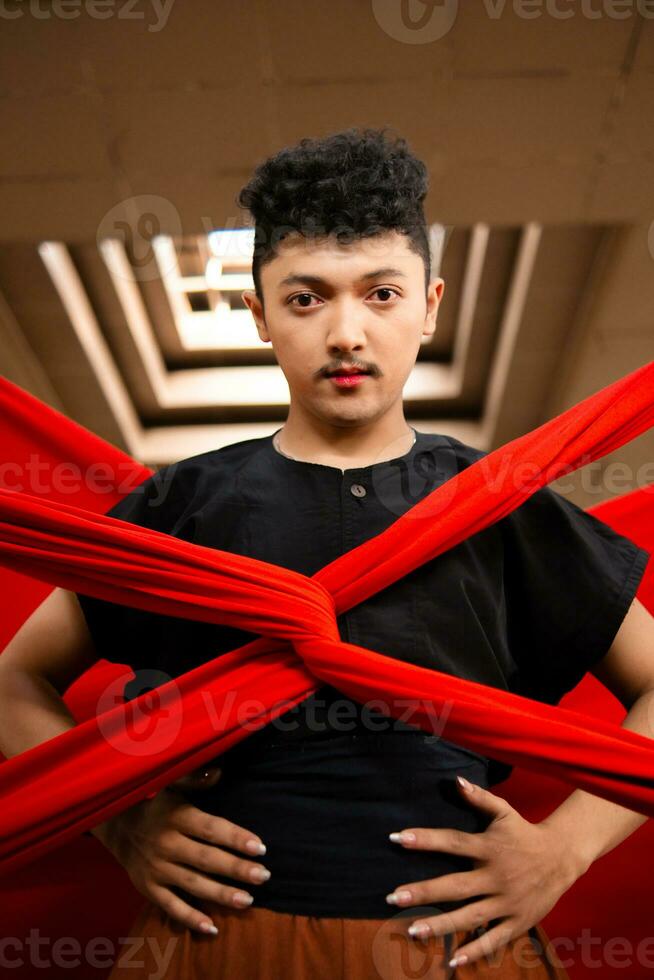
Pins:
x: 345, y: 374
x: 347, y: 380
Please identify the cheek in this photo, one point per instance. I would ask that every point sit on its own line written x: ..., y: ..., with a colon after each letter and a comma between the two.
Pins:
x: 299, y: 343
x: 299, y: 367
x: 293, y: 357
x: 399, y: 351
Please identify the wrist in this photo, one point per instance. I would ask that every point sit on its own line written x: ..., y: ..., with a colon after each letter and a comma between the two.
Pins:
x: 574, y: 855
x: 104, y: 832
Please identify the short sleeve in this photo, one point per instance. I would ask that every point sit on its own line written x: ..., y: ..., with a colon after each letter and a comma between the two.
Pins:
x: 569, y: 580
x: 119, y: 631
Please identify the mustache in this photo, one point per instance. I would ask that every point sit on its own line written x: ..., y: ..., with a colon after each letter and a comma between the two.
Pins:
x: 350, y: 366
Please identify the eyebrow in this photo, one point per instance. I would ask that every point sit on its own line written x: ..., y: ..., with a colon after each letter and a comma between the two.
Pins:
x: 309, y: 280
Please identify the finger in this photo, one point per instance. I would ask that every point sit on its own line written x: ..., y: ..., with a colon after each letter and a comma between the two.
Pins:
x: 482, y: 798
x: 191, y: 820
x: 198, y: 884
x: 487, y: 945
x: 447, y: 839
x: 446, y: 888
x: 179, y: 910
x: 210, y: 859
x: 459, y: 920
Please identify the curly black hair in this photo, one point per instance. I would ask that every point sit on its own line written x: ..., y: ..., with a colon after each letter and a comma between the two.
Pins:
x: 351, y: 184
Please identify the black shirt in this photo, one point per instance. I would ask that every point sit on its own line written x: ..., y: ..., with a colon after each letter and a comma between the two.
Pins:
x: 529, y: 604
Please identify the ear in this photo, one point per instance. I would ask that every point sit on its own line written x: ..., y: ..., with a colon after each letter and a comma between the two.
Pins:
x: 435, y: 292
x: 253, y: 303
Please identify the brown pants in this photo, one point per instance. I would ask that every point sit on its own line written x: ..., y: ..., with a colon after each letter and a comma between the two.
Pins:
x: 260, y: 944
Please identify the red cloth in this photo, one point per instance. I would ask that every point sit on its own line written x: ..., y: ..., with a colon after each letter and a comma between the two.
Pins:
x: 80, y: 778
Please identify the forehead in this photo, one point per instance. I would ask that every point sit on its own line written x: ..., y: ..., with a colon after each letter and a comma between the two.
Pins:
x: 327, y: 256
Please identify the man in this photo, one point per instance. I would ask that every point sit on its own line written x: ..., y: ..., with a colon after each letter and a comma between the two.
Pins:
x: 344, y: 293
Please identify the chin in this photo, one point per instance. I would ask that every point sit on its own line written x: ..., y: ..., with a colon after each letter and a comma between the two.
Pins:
x: 348, y: 419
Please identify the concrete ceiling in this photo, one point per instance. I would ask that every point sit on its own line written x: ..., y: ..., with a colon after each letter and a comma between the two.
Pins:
x: 535, y: 122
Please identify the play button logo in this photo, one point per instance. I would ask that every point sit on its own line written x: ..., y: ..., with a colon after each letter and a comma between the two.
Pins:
x: 415, y: 21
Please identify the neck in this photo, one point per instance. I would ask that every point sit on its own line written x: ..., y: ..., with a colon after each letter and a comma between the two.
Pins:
x: 345, y: 447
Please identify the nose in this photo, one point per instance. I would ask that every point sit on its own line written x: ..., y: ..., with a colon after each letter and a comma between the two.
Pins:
x: 346, y: 330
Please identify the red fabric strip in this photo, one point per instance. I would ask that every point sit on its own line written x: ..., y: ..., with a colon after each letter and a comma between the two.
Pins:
x: 54, y: 791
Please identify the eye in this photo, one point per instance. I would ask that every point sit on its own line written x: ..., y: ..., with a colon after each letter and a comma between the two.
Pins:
x: 304, y: 306
x: 386, y: 289
x: 298, y: 296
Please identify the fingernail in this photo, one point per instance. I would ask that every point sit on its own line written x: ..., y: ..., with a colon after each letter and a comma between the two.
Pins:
x: 403, y: 837
x: 458, y: 960
x: 401, y: 896
x: 255, y: 847
x: 464, y: 783
x: 260, y: 874
x: 243, y: 898
x: 419, y: 929
x: 209, y: 927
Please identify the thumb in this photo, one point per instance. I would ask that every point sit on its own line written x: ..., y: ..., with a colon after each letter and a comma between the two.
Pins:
x: 483, y: 798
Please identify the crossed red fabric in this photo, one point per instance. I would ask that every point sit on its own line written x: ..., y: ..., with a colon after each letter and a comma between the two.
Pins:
x: 56, y: 481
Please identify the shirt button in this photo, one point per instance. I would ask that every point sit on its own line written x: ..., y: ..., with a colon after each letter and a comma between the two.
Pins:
x: 358, y: 490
